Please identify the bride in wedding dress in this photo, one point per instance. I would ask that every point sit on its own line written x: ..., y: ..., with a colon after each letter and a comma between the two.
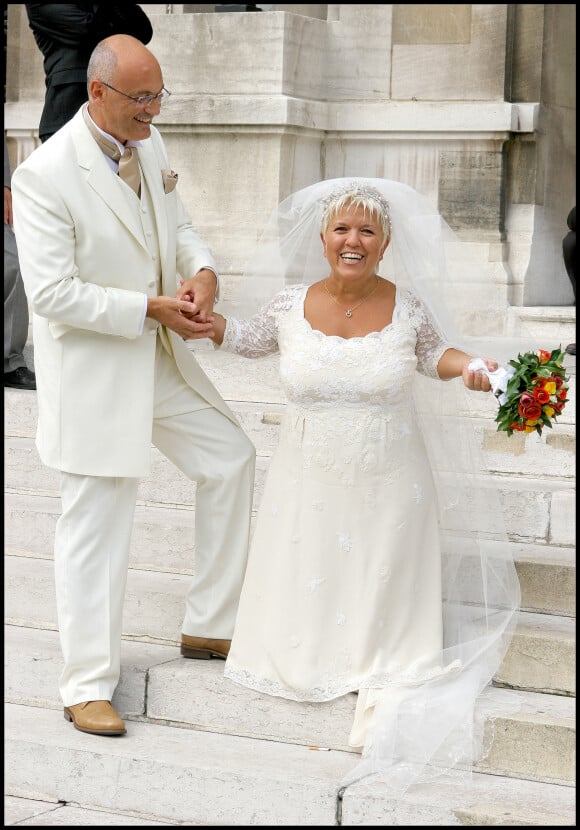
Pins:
x: 366, y: 572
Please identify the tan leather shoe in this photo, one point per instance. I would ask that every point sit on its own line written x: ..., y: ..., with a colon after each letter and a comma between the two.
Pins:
x: 97, y: 717
x: 203, y: 648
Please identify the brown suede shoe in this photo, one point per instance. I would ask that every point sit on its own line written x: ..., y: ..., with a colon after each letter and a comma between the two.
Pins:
x: 202, y: 648
x: 97, y: 717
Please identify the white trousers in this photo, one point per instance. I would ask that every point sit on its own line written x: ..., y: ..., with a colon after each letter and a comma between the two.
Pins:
x: 93, y: 536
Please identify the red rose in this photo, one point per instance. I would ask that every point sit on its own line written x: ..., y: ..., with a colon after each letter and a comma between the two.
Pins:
x: 562, y: 395
x: 558, y: 407
x: 529, y: 408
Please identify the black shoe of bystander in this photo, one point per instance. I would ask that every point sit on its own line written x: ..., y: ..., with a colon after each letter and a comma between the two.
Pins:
x: 21, y: 378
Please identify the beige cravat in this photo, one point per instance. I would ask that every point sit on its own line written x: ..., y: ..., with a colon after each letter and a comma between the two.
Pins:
x: 129, y: 169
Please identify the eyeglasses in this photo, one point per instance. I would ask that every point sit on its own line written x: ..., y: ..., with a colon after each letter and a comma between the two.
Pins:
x: 142, y: 100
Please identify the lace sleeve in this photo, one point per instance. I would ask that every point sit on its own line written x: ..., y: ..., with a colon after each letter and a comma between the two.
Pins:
x: 430, y: 344
x: 258, y: 336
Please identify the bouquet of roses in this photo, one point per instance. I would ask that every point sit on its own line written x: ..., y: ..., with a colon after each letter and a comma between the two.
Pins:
x: 535, y: 393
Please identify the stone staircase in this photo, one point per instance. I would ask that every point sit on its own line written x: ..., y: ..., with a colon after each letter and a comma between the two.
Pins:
x: 201, y: 750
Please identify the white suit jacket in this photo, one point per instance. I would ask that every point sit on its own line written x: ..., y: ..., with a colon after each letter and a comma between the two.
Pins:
x: 86, y: 267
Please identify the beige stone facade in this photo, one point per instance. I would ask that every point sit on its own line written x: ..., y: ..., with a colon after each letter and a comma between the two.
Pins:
x: 472, y: 104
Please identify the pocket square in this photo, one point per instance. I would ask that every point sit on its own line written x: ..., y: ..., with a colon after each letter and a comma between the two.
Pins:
x: 169, y: 180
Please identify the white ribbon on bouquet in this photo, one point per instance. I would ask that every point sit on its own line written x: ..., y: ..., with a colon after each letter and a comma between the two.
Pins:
x: 499, y: 379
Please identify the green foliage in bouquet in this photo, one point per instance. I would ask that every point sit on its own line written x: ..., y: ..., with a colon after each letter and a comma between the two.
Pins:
x: 536, y: 392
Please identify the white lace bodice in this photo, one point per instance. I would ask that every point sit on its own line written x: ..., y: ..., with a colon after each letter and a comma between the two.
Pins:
x: 319, y: 370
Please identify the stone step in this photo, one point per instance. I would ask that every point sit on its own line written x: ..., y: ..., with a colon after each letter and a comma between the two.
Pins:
x: 28, y: 812
x: 557, y: 324
x: 35, y: 661
x: 540, y: 658
x: 553, y: 452
x: 547, y: 573
x: 535, y: 742
x: 535, y: 509
x: 490, y: 800
x: 186, y: 775
x: 189, y: 776
x: 547, y: 576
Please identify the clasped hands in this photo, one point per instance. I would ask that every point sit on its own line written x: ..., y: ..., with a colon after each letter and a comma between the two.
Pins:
x: 190, y: 312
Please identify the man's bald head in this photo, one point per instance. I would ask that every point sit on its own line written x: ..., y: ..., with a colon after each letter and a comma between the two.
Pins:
x: 122, y: 73
x: 116, y: 53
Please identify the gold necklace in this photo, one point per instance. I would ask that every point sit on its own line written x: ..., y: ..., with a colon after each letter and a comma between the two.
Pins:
x: 349, y: 311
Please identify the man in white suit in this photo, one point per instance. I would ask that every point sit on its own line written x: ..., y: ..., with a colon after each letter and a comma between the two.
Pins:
x: 101, y: 263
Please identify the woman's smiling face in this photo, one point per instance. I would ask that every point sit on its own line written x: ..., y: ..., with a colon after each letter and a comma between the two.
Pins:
x: 353, y: 242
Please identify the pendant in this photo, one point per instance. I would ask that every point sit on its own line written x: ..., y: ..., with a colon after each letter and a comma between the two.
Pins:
x: 348, y: 313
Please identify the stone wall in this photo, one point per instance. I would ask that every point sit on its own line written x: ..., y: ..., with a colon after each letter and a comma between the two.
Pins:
x: 472, y: 104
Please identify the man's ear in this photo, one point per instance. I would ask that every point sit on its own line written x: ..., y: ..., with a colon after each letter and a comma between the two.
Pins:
x: 96, y: 90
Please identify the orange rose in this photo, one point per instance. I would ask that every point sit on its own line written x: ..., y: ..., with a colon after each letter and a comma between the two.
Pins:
x: 540, y: 394
x: 543, y: 355
x: 517, y: 427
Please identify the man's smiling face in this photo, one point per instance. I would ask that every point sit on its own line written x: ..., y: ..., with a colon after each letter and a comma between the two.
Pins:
x: 136, y: 73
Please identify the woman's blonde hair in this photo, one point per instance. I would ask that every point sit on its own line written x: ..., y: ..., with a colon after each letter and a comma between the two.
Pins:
x: 356, y: 196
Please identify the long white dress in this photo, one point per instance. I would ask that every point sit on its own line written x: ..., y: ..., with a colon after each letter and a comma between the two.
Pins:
x: 343, y: 586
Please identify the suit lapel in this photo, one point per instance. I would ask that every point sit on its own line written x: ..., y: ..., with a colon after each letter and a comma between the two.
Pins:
x: 98, y: 175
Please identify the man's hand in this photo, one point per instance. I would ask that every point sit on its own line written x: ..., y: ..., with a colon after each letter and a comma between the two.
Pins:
x: 200, y: 290
x: 180, y: 316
